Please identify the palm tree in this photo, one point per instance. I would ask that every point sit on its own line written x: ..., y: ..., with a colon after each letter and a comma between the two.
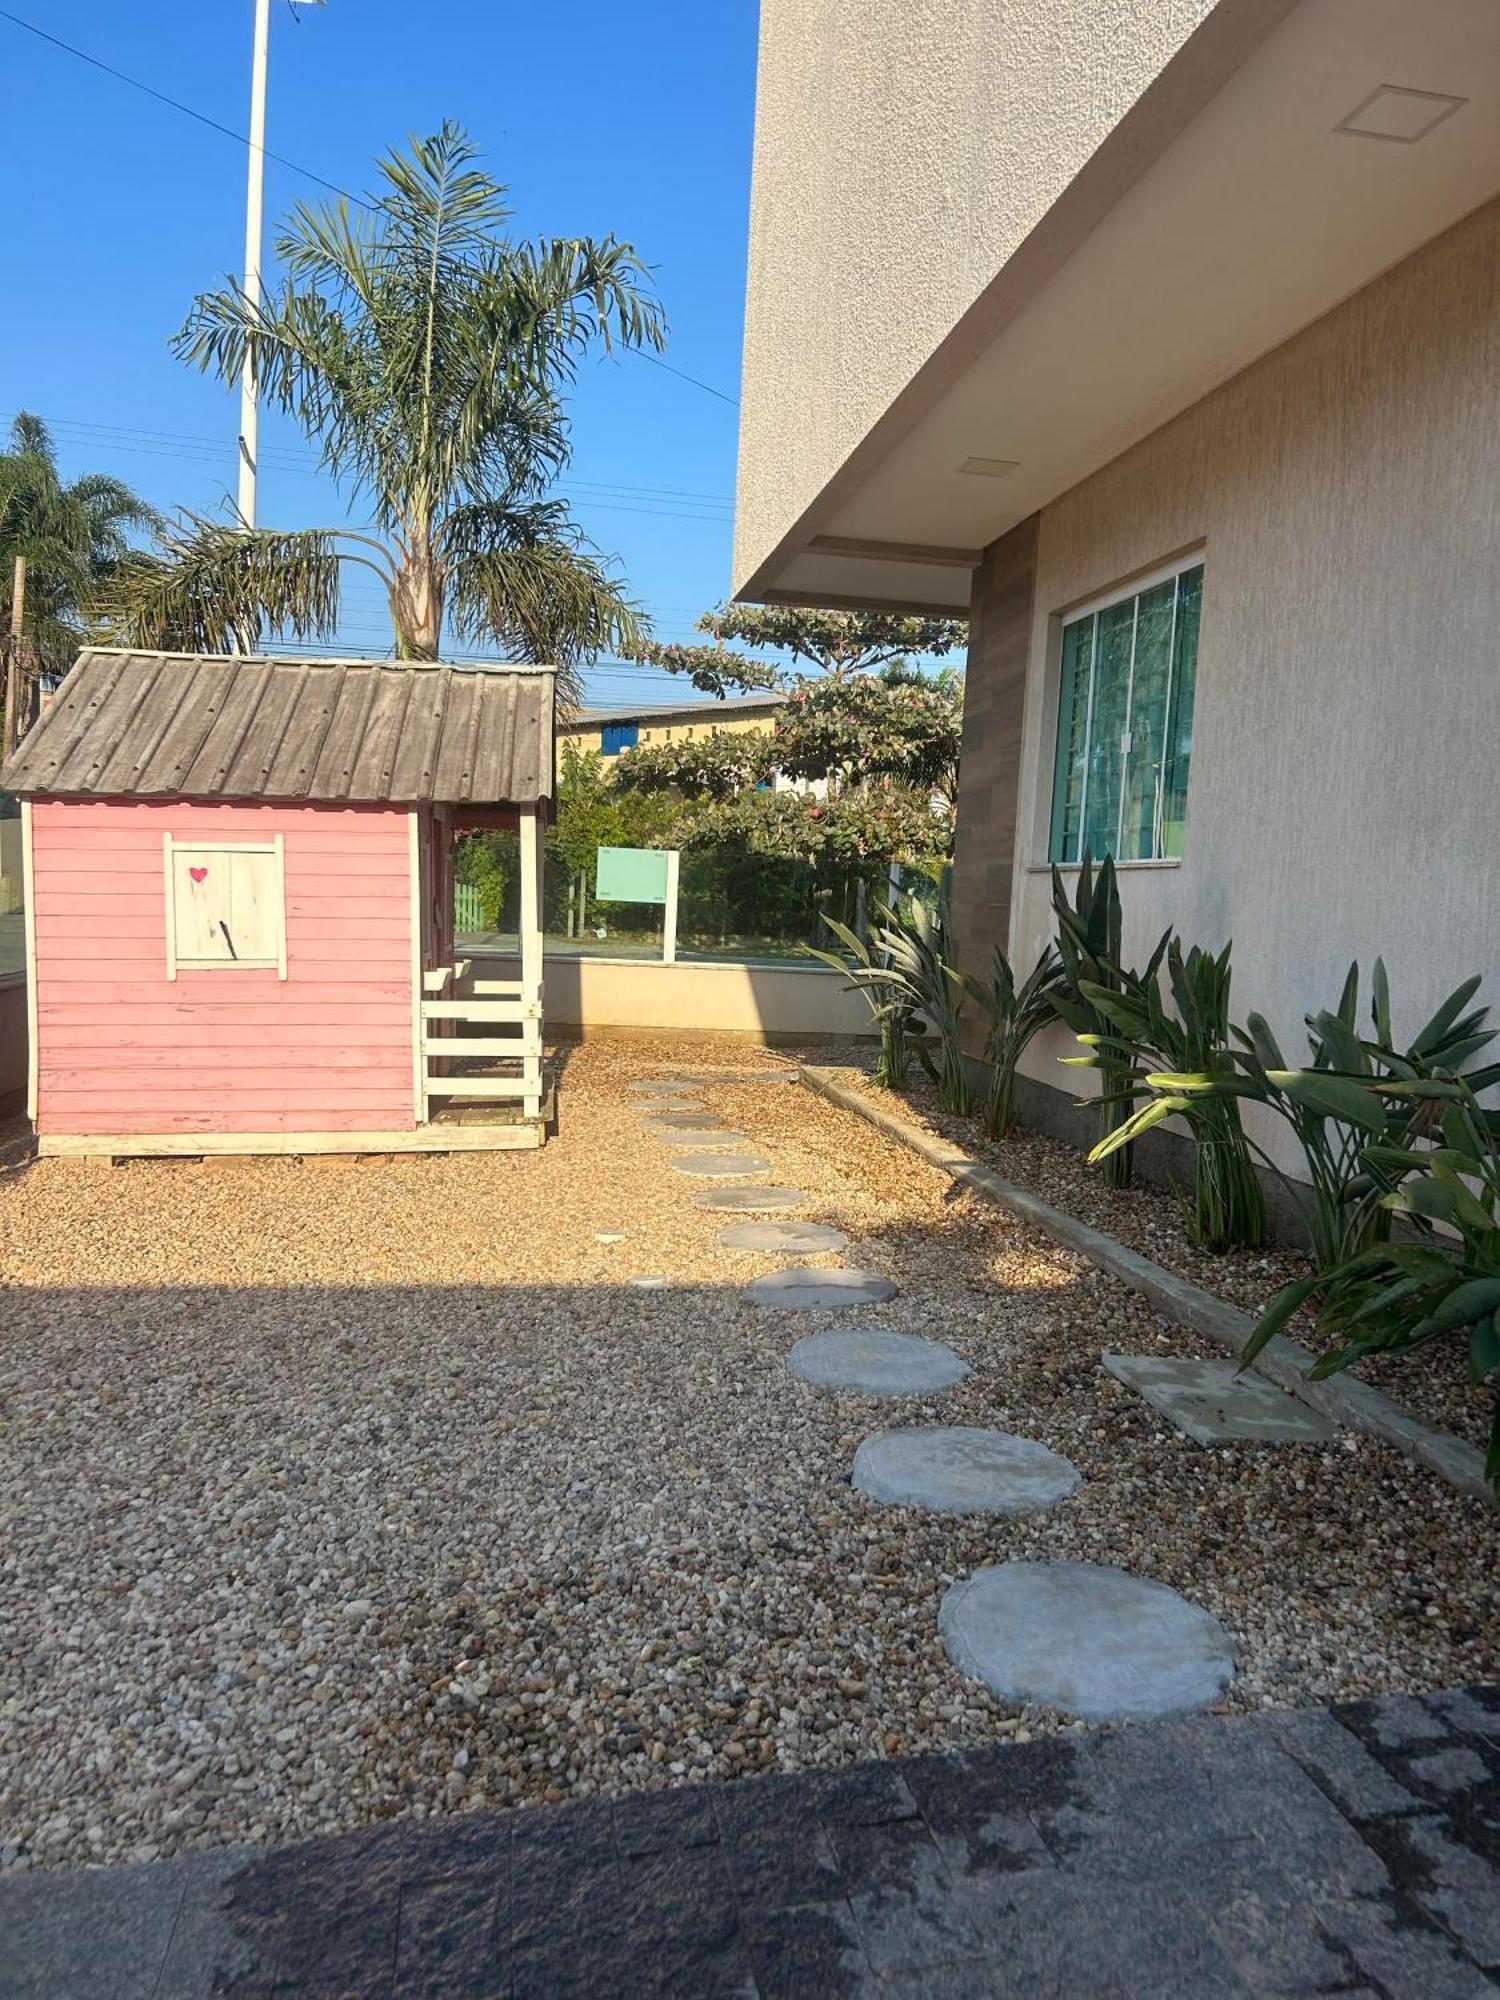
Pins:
x: 72, y: 536
x: 425, y: 354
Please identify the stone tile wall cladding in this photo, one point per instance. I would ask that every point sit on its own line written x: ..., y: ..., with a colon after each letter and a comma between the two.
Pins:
x: 994, y: 696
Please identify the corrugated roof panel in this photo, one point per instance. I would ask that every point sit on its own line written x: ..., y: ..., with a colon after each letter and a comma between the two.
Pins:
x: 174, y: 725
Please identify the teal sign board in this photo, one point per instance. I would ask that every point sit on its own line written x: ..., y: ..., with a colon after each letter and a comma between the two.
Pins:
x: 632, y: 875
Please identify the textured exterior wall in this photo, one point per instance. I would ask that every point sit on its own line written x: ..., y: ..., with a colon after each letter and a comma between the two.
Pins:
x: 989, y: 792
x: 1345, y: 790
x: 123, y: 1049
x: 903, y: 150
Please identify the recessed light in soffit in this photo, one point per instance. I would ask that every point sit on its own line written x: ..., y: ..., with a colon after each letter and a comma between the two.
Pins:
x: 989, y: 468
x: 1403, y: 116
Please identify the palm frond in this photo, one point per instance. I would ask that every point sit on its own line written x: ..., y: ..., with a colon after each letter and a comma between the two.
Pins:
x: 212, y: 588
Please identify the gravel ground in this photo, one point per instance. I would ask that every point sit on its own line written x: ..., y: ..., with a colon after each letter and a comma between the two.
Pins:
x: 334, y: 1495
x: 1434, y: 1382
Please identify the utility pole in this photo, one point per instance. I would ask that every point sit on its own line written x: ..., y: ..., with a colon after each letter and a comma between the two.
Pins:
x: 13, y: 649
x: 254, y: 201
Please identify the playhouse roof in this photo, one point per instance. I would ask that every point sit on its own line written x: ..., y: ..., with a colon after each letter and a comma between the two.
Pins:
x: 196, y: 726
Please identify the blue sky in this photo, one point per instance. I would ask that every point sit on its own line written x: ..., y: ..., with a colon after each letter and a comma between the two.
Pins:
x: 599, y: 117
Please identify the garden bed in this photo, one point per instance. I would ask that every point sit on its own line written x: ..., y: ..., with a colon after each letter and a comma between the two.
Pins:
x: 344, y: 1493
x: 1433, y: 1383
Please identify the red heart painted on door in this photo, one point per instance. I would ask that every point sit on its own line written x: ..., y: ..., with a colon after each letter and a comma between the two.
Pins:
x: 198, y: 874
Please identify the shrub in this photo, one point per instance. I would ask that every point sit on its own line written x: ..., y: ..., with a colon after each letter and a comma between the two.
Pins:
x: 1015, y: 1015
x: 1089, y: 950
x: 1392, y: 1298
x: 1194, y: 1035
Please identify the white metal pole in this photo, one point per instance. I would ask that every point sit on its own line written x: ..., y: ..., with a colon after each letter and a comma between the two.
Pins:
x: 669, y: 911
x: 254, y: 198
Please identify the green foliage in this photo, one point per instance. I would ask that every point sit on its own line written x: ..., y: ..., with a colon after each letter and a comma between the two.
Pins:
x: 904, y: 973
x: 896, y: 724
x: 1392, y: 1298
x: 1358, y: 1091
x: 1192, y: 1035
x: 1089, y: 947
x: 896, y: 1019
x: 853, y: 830
x: 74, y: 537
x: 425, y: 353
x: 1015, y: 1014
x: 830, y: 642
x: 486, y: 862
x: 715, y: 766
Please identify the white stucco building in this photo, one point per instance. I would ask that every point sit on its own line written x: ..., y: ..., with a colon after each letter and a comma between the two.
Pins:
x: 1163, y: 339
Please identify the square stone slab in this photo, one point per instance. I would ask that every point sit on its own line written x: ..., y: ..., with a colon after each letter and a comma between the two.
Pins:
x: 1214, y: 1404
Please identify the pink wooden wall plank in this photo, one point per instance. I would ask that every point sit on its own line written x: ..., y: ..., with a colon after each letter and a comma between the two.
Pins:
x: 124, y: 1049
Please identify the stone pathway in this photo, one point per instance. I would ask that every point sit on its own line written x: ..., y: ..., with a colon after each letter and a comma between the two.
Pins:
x: 791, y: 1238
x: 871, y: 1361
x: 1352, y: 1852
x: 1084, y: 1639
x: 958, y: 1469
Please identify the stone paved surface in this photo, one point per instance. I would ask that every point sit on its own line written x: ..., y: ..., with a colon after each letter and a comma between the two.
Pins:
x: 1353, y: 1852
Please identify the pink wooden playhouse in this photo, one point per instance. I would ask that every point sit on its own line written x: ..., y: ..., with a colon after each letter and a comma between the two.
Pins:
x: 239, y: 905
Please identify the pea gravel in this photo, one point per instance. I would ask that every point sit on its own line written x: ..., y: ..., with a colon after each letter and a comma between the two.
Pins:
x: 341, y: 1494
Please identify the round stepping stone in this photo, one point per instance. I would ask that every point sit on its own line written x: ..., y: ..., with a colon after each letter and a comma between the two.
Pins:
x: 711, y: 1139
x: 871, y: 1362
x: 799, y: 1237
x: 960, y: 1469
x: 682, y: 1121
x: 751, y: 1200
x: 1086, y: 1640
x: 720, y: 1166
x: 804, y: 1289
x: 659, y: 1105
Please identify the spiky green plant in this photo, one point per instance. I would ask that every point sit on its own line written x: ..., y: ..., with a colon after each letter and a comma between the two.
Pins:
x: 1089, y: 945
x: 1393, y: 1298
x: 904, y: 974
x: 425, y: 353
x: 890, y: 1007
x: 1015, y: 1016
x: 1193, y: 1034
x: 1357, y: 1093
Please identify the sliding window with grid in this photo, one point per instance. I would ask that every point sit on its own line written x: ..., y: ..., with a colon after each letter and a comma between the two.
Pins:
x: 1125, y: 724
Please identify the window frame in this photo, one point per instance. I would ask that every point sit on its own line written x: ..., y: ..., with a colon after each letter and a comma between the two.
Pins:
x: 617, y: 737
x: 173, y: 843
x: 1093, y: 607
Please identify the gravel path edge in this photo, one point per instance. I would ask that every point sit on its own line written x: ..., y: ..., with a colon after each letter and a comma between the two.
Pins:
x: 1284, y: 1361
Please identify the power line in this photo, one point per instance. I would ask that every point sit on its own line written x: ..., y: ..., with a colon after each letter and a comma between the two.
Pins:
x: 196, y: 448
x: 187, y: 110
x: 281, y: 159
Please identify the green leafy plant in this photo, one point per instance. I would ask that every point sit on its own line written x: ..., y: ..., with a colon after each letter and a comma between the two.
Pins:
x: 895, y: 1018
x: 1393, y: 1298
x: 1089, y: 950
x: 1193, y: 1034
x: 1357, y: 1092
x: 904, y: 974
x: 1015, y: 1015
x: 484, y: 862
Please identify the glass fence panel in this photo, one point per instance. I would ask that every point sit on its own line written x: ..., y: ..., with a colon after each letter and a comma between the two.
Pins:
x: 732, y: 906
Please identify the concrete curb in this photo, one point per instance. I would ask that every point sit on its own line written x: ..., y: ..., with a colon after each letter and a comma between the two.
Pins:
x: 1342, y: 1398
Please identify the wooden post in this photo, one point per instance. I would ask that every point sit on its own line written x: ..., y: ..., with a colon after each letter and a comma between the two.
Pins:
x: 532, y: 858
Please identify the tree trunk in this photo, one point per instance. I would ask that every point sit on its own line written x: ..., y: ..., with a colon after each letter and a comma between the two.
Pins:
x: 417, y: 607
